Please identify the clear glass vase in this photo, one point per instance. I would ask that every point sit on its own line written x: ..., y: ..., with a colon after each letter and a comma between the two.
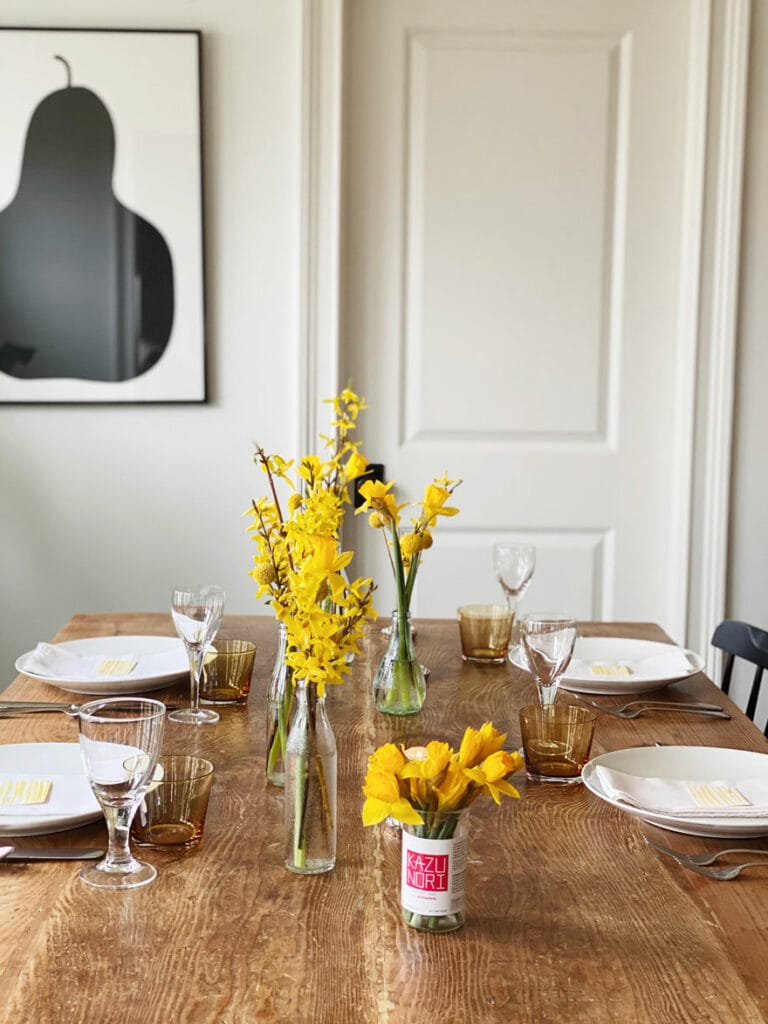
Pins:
x: 310, y: 786
x: 433, y: 869
x: 399, y: 686
x: 279, y: 706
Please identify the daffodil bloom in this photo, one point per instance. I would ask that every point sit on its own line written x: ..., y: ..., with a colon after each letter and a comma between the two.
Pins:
x: 388, y: 758
x: 478, y: 744
x: 356, y: 466
x: 452, y: 791
x: 384, y: 800
x: 492, y: 773
x: 378, y: 499
x: 425, y: 770
x: 432, y: 779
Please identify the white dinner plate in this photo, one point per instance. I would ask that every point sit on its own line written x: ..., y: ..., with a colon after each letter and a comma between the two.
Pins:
x: 142, y: 679
x: 684, y: 763
x: 45, y: 760
x: 614, y: 650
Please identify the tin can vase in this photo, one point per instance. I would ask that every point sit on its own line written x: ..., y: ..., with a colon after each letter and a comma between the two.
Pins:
x: 433, y: 870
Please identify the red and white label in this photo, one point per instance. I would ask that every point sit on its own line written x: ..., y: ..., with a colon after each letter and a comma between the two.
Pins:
x: 432, y: 877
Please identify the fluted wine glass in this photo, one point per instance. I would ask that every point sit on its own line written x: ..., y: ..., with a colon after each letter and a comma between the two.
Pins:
x: 514, y: 565
x: 197, y: 613
x: 547, y: 641
x: 120, y: 741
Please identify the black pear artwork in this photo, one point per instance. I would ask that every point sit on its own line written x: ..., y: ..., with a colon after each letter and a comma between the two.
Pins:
x: 86, y: 284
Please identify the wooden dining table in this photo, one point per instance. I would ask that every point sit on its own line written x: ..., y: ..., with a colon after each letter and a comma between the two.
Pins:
x: 571, y: 918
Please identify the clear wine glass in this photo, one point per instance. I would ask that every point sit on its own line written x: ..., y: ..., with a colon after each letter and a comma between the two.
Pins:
x: 514, y: 565
x: 547, y: 641
x: 197, y: 613
x: 120, y: 741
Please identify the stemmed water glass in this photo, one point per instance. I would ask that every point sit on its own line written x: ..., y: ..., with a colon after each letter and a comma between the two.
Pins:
x: 514, y: 565
x: 120, y: 741
x: 547, y: 645
x: 197, y: 613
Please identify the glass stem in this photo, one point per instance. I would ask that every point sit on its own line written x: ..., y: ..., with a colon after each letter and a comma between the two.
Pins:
x: 195, y: 671
x: 547, y: 692
x: 118, y: 828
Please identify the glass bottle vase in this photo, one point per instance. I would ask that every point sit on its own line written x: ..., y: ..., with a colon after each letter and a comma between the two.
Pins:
x: 433, y: 868
x: 310, y: 786
x: 279, y: 706
x: 399, y: 685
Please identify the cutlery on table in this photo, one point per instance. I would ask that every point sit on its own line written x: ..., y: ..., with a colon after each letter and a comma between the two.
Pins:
x: 697, y: 861
x: 22, y: 853
x: 702, y: 858
x: 9, y: 708
x: 638, y: 707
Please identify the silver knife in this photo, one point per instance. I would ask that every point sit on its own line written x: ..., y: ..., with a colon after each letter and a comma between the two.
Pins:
x: 72, y: 853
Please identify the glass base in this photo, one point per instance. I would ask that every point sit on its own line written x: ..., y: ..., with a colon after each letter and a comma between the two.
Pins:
x: 439, y: 923
x: 129, y: 876
x: 190, y: 716
x: 564, y: 780
x: 312, y: 867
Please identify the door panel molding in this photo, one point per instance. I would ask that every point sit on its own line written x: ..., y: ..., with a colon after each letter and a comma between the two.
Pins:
x: 597, y: 335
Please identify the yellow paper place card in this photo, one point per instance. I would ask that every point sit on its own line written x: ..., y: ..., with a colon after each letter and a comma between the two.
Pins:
x: 116, y: 666
x: 14, y: 792
x: 716, y: 794
x: 598, y: 669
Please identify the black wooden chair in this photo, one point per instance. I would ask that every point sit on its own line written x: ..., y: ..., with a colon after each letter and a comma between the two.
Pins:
x: 740, y: 640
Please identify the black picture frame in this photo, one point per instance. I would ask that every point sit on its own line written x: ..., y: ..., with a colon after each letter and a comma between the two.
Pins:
x: 102, y: 273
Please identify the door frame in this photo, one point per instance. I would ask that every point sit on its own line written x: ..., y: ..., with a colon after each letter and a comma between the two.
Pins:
x: 719, y: 46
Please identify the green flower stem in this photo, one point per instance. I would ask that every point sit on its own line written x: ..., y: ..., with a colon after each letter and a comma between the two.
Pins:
x: 304, y: 787
x: 279, y: 735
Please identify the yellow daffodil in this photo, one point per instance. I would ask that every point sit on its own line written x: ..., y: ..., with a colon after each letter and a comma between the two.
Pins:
x: 452, y: 791
x: 357, y: 465
x: 492, y: 773
x: 388, y: 758
x: 434, y: 779
x: 384, y: 800
x: 378, y: 499
x: 477, y: 744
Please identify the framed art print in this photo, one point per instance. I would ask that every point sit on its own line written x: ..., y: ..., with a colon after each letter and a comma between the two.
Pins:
x: 101, y: 219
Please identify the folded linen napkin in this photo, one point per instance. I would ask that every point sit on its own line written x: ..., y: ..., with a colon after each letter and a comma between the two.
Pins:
x: 655, y: 667
x: 695, y: 798
x: 68, y: 794
x: 55, y: 662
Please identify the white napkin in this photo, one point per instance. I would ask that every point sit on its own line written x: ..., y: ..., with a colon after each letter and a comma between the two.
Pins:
x: 70, y: 794
x: 691, y: 798
x: 657, y: 666
x: 55, y: 662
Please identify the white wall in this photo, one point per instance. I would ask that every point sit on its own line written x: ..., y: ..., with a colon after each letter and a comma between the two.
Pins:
x: 106, y: 508
x: 748, y: 550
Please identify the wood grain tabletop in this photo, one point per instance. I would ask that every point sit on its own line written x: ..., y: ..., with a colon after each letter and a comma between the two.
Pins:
x: 571, y: 917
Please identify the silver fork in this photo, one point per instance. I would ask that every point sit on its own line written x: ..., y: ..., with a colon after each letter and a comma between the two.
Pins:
x: 724, y: 874
x: 662, y: 704
x: 700, y: 859
x: 710, y: 712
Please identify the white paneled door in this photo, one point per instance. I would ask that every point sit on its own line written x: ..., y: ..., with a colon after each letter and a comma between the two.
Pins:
x: 521, y: 211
